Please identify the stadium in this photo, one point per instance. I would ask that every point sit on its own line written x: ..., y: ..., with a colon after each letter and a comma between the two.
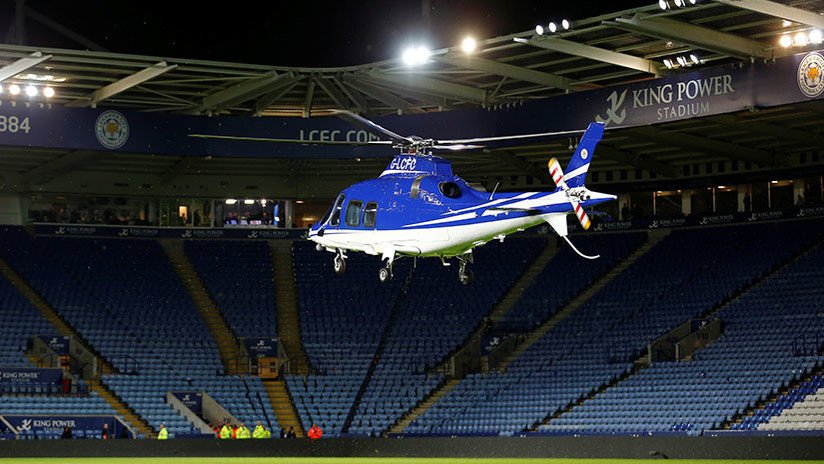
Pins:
x: 160, y: 300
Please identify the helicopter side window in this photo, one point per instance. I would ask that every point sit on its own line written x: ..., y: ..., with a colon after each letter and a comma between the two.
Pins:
x: 335, y: 219
x: 353, y: 211
x: 450, y: 189
x: 370, y: 214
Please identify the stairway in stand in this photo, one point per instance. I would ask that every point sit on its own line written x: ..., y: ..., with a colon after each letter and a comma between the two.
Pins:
x: 232, y: 355
x: 498, y: 312
x: 421, y: 407
x: 283, y: 406
x: 120, y: 408
x: 655, y: 236
x: 66, y: 330
x: 288, y: 316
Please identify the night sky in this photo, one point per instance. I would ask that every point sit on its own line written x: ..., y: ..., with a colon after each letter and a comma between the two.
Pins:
x: 294, y: 32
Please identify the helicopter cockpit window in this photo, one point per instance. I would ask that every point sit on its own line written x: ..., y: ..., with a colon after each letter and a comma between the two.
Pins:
x: 335, y: 219
x: 370, y: 214
x: 353, y: 213
x: 450, y: 189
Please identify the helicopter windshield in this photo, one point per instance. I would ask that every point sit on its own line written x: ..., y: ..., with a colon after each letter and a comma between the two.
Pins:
x: 333, y: 215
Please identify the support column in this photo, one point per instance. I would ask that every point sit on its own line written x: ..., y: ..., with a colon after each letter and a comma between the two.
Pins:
x: 798, y: 189
x: 289, y: 213
x: 686, y: 202
x: 624, y: 199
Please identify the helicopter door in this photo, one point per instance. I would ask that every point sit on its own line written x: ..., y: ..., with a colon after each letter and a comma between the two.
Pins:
x: 332, y: 218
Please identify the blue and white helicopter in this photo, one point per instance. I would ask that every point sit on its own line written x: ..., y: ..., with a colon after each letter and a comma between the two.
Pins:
x: 419, y: 208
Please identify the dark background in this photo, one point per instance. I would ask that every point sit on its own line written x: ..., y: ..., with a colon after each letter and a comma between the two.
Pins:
x: 290, y: 33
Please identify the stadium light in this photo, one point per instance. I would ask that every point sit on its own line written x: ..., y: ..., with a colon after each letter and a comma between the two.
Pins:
x: 815, y: 36
x: 800, y: 39
x: 679, y: 3
x: 565, y: 24
x: 663, y: 4
x: 248, y: 201
x: 469, y: 45
x: 231, y: 201
x: 31, y: 90
x: 48, y: 92
x: 668, y: 63
x: 414, y: 56
x: 14, y: 89
x: 539, y: 29
x: 786, y: 23
x: 553, y: 27
x: 694, y: 59
x: 785, y: 41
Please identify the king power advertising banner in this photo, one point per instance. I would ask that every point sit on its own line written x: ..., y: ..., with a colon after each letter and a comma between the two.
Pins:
x: 702, y: 92
x: 54, y: 424
x: 170, y: 232
x: 25, y: 375
x: 192, y: 399
x: 57, y: 343
x: 262, y: 347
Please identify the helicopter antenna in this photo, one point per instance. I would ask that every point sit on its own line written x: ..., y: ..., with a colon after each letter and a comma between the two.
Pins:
x: 494, y: 190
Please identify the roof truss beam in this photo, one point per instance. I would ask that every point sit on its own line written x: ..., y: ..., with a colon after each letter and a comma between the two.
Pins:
x: 55, y: 168
x: 802, y: 138
x: 356, y: 97
x: 593, y: 53
x: 779, y: 11
x: 637, y: 160
x: 307, y: 101
x: 477, y: 63
x: 22, y: 64
x: 432, y: 86
x: 383, y: 96
x: 705, y: 145
x: 123, y: 84
x: 267, y: 100
x: 694, y: 36
x: 510, y: 158
x: 239, y: 93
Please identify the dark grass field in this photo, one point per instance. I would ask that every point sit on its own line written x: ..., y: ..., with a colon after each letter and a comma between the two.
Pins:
x: 366, y: 461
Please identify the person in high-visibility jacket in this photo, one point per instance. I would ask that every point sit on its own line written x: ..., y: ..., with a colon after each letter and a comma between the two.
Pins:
x: 163, y: 434
x: 260, y: 431
x: 226, y: 431
x: 243, y: 432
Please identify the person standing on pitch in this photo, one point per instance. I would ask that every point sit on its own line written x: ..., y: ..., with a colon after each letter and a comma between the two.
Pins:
x: 163, y: 434
x: 243, y: 432
x: 226, y: 431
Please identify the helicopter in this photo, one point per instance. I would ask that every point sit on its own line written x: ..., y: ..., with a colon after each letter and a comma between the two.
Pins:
x: 417, y: 207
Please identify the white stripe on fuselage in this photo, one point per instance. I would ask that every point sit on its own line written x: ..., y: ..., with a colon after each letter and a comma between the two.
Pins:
x: 433, y: 241
x: 493, y: 202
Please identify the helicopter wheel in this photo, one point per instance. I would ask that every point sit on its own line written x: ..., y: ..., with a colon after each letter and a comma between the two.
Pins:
x: 339, y: 264
x: 465, y: 275
x: 384, y: 275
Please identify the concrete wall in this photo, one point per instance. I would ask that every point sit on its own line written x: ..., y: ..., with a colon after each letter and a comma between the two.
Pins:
x: 728, y: 447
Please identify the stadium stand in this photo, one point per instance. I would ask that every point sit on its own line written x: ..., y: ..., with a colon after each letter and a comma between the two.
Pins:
x: 802, y: 408
x: 683, y: 276
x: 123, y: 297
x: 553, y: 288
x: 239, y: 278
x: 751, y: 361
x: 342, y: 320
x: 437, y: 314
x: 20, y: 322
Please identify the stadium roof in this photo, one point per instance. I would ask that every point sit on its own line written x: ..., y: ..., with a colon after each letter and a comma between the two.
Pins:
x: 620, y: 47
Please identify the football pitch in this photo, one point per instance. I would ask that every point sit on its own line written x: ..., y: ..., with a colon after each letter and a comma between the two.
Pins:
x: 364, y: 460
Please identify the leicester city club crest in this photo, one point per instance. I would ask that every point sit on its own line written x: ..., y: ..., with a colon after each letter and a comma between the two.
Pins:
x: 809, y: 75
x: 111, y: 129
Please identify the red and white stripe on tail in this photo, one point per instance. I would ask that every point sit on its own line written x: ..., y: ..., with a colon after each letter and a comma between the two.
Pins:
x: 557, y: 173
x: 558, y: 177
x: 581, y: 214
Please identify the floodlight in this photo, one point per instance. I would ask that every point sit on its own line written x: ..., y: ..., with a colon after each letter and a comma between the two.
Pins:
x: 468, y: 45
x: 31, y: 90
x: 48, y: 92
x: 565, y: 24
x: 785, y: 41
x: 14, y: 89
x: 539, y: 29
x: 552, y: 27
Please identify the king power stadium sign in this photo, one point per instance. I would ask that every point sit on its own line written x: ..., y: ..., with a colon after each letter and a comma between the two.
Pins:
x: 704, y: 92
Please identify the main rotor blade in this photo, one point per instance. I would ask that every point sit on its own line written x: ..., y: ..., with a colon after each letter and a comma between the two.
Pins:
x: 457, y: 147
x: 295, y: 141
x: 361, y: 120
x: 509, y: 137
